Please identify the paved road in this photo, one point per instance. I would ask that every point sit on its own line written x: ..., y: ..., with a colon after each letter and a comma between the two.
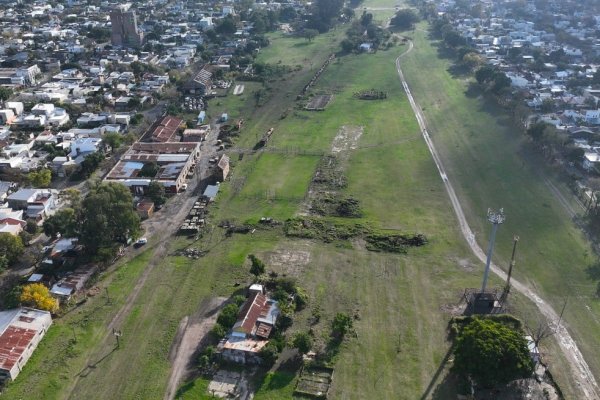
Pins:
x: 581, y: 372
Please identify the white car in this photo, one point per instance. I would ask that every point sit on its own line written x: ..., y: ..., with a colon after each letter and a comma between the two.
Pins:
x: 141, y: 241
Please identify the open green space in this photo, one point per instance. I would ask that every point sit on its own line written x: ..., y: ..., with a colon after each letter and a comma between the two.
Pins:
x: 400, y: 303
x: 489, y: 161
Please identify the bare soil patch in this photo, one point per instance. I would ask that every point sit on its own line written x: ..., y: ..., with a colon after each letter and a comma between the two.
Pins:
x: 318, y: 103
x: 347, y: 139
x: 290, y: 262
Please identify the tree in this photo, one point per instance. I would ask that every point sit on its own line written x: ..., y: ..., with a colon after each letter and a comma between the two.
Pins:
x: 226, y: 26
x: 341, y: 324
x: 38, y: 296
x: 492, y: 353
x: 310, y: 34
x: 453, y: 39
x: 500, y: 81
x: 11, y: 247
x: 71, y: 197
x: 5, y: 93
x: 108, y: 217
x: 64, y: 221
x: 149, y: 170
x: 366, y: 19
x: 484, y: 74
x: 303, y: 342
x: 258, y: 267
x: 536, y: 131
x: 156, y: 193
x: 113, y: 140
x: 40, y: 179
x: 404, y: 19
x: 134, y: 103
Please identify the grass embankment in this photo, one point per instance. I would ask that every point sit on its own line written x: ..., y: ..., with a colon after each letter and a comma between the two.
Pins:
x: 488, y: 161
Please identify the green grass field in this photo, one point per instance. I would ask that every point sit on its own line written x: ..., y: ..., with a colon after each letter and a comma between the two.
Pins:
x: 488, y: 160
x: 400, y: 302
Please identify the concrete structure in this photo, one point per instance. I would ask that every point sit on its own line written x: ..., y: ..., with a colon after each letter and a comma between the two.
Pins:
x: 174, y: 160
x: 125, y: 32
x: 21, y: 329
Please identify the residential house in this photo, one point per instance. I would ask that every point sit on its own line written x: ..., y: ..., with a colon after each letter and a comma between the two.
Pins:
x: 37, y: 203
x: 256, y: 320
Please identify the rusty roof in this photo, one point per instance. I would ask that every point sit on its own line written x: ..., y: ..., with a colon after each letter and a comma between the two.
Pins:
x: 13, y: 343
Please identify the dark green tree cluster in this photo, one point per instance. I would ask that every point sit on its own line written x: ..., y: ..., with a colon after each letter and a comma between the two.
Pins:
x: 325, y: 14
x: 492, y: 79
x: 257, y: 267
x: 404, y: 19
x: 108, y: 217
x: 491, y: 353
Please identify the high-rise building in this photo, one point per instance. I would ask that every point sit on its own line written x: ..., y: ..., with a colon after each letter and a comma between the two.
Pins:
x: 125, y: 32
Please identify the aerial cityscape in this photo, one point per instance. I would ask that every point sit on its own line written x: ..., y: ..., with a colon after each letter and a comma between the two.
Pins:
x: 327, y: 199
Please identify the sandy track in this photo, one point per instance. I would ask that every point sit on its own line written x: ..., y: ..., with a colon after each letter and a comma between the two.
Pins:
x: 586, y: 381
x: 189, y: 336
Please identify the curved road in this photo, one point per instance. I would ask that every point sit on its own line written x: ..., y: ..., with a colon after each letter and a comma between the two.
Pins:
x: 581, y: 371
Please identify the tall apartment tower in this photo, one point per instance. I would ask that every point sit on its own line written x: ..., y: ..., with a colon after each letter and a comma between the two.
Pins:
x: 125, y: 32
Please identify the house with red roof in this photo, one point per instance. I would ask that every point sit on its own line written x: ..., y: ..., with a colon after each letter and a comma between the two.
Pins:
x: 21, y: 330
x: 250, y: 334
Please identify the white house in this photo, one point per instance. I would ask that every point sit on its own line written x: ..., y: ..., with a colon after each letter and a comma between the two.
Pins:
x: 592, y: 117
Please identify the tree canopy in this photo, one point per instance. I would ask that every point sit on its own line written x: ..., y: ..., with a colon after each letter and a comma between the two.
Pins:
x: 64, y: 221
x: 303, y: 342
x: 404, y: 19
x: 40, y: 179
x: 11, y: 247
x: 38, y: 296
x: 108, y: 216
x: 492, y: 353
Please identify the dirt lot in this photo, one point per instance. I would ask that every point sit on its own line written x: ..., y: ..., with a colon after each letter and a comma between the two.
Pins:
x: 318, y: 103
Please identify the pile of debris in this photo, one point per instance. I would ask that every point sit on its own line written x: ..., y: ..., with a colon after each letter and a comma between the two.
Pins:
x: 371, y: 94
x: 192, y: 252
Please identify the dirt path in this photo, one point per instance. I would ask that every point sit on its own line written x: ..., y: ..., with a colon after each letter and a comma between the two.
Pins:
x: 189, y: 336
x: 159, y: 228
x: 580, y: 370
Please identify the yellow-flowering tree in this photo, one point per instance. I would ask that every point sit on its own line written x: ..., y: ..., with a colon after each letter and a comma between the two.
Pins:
x: 38, y: 296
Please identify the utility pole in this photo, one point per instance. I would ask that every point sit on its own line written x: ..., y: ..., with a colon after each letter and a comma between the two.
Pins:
x: 510, y: 269
x: 496, y: 218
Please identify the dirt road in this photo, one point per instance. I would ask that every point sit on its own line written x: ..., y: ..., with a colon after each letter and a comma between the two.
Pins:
x: 581, y: 372
x: 191, y: 331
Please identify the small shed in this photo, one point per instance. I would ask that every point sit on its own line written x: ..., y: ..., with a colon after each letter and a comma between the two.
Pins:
x: 210, y: 193
x: 145, y: 209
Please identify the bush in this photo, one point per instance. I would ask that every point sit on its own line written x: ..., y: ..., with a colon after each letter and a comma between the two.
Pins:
x: 218, y: 331
x: 228, y: 315
x: 341, y: 324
